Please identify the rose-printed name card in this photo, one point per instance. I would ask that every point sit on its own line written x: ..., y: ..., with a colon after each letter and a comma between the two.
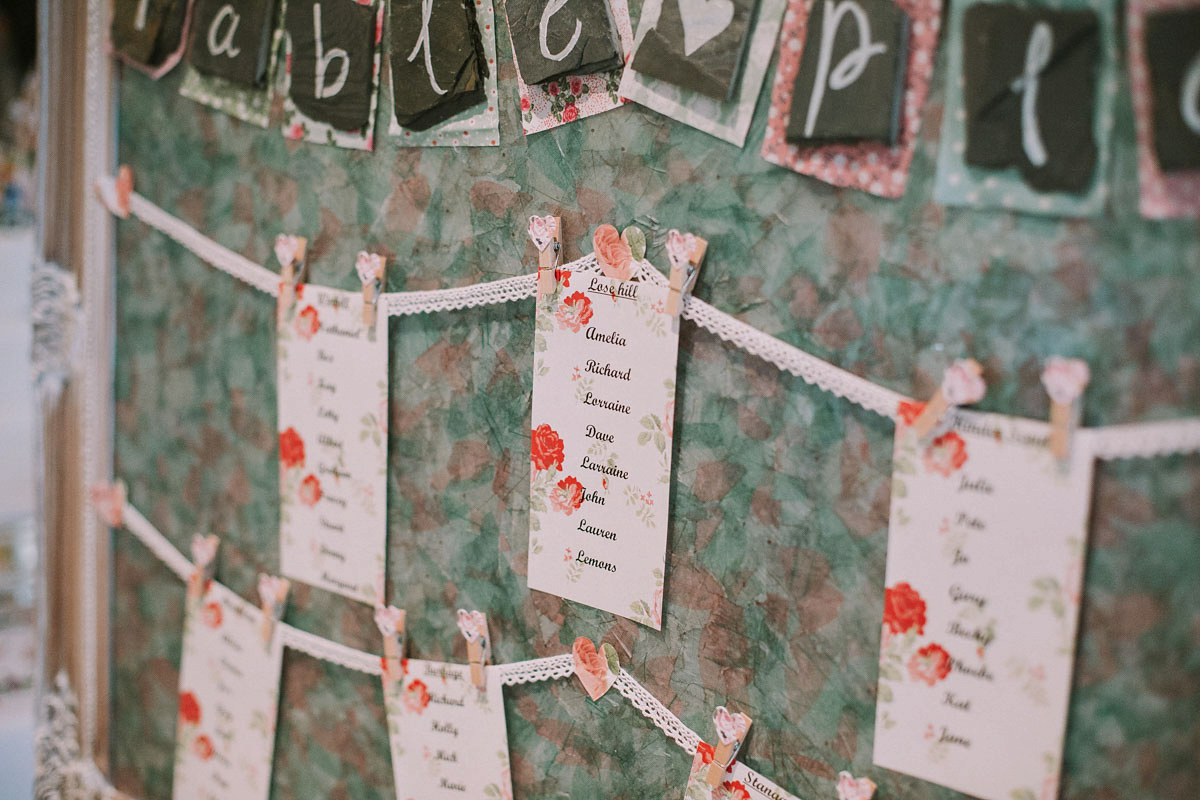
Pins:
x: 228, y: 701
x: 332, y: 378
x: 603, y: 405
x: 984, y: 573
x: 448, y: 738
x: 740, y: 782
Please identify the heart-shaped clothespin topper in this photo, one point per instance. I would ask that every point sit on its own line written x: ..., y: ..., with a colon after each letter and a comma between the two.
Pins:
x: 108, y: 499
x: 731, y: 727
x: 596, y: 669
x: 1065, y: 379
x: 124, y: 189
x: 542, y: 231
x: 272, y: 594
x: 851, y: 788
x: 289, y: 249
x: 473, y: 625
x: 204, y: 556
x: 390, y: 621
x: 612, y: 254
x: 680, y: 247
x: 962, y: 384
x: 635, y: 240
x: 369, y: 267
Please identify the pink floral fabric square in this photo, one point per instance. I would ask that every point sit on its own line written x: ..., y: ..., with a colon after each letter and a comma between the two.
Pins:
x: 1163, y: 195
x: 872, y: 167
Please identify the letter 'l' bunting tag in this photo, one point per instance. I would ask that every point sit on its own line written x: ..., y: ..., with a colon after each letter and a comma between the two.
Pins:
x: 605, y: 352
x: 978, y: 636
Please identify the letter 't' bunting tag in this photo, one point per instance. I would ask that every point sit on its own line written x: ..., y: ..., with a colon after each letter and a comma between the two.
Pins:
x: 605, y: 352
x: 985, y: 561
x: 149, y: 34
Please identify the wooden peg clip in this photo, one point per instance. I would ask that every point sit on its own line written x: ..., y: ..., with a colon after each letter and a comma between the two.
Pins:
x: 204, y: 564
x: 962, y: 384
x: 686, y: 253
x: 546, y: 233
x: 1064, y: 379
x: 372, y: 271
x: 391, y: 626
x: 731, y: 732
x: 473, y: 625
x: 108, y: 499
x: 272, y: 595
x: 290, y: 252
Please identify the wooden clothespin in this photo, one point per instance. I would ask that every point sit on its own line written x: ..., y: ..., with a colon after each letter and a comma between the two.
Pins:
x: 272, y: 594
x: 686, y: 252
x: 546, y: 233
x: 204, y: 564
x: 109, y: 501
x: 391, y: 625
x: 962, y: 384
x: 372, y: 269
x: 1064, y: 379
x: 473, y: 625
x: 124, y: 189
x: 731, y: 732
x: 290, y: 251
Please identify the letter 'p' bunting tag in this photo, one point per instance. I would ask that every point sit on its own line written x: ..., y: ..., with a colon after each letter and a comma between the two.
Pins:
x: 436, y: 53
x: 1030, y: 93
x: 850, y: 84
x: 231, y: 39
x: 555, y: 38
x: 332, y: 60
x: 1173, y: 52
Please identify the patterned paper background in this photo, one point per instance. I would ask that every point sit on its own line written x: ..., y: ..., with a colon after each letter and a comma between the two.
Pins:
x: 780, y: 498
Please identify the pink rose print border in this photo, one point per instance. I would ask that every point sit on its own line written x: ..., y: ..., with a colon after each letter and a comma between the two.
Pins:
x: 874, y: 168
x: 1163, y: 195
x: 549, y: 105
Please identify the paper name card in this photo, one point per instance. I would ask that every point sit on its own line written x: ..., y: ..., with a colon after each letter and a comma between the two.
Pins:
x: 228, y: 701
x: 448, y: 738
x: 740, y: 782
x: 332, y: 379
x: 1030, y: 78
x: 603, y: 409
x: 231, y: 40
x: 985, y: 562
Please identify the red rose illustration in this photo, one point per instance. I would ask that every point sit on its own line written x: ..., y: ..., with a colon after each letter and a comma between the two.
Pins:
x: 546, y: 448
x: 567, y: 495
x: 735, y: 790
x: 202, y: 746
x: 524, y: 103
x: 189, y: 708
x: 213, y: 615
x: 291, y: 449
x: 903, y: 609
x: 552, y: 88
x: 908, y: 412
x: 705, y: 752
x: 575, y: 312
x: 563, y: 276
x: 929, y: 664
x: 946, y: 454
x: 310, y: 491
x: 416, y: 697
x: 576, y: 85
x: 306, y: 323
x: 570, y: 113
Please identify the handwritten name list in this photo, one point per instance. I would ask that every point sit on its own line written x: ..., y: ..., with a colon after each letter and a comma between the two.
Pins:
x: 603, y: 411
x: 448, y: 738
x: 332, y: 443
x: 984, y: 572
x: 228, y: 701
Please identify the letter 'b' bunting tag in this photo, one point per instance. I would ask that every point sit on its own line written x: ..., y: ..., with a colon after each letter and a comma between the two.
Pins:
x: 603, y: 409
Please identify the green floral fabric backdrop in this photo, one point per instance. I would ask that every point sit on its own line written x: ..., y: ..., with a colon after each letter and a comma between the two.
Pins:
x: 780, y: 492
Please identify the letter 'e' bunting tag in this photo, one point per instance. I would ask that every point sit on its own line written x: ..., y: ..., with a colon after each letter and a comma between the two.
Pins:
x: 984, y: 571
x: 605, y: 350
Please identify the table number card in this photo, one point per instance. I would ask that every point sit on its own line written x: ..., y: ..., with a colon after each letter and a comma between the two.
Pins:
x: 448, y: 738
x: 984, y: 572
x: 603, y: 407
x: 332, y: 377
x: 228, y: 701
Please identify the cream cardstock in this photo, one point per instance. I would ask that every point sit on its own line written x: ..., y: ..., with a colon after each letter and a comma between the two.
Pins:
x: 333, y: 395
x: 228, y: 701
x: 740, y: 782
x: 984, y: 573
x: 448, y: 738
x: 603, y: 411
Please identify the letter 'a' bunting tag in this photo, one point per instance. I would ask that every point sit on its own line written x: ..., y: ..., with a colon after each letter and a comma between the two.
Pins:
x: 984, y: 571
x: 605, y: 350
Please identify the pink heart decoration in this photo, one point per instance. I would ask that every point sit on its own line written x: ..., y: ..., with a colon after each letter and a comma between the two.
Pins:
x: 541, y: 231
x: 287, y: 249
x: 389, y: 619
x: 473, y: 624
x: 369, y: 266
x: 680, y: 247
x: 851, y: 788
x: 272, y: 591
x: 591, y: 667
x: 204, y: 550
x: 1065, y: 379
x: 962, y: 384
x: 730, y: 727
x: 109, y: 501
